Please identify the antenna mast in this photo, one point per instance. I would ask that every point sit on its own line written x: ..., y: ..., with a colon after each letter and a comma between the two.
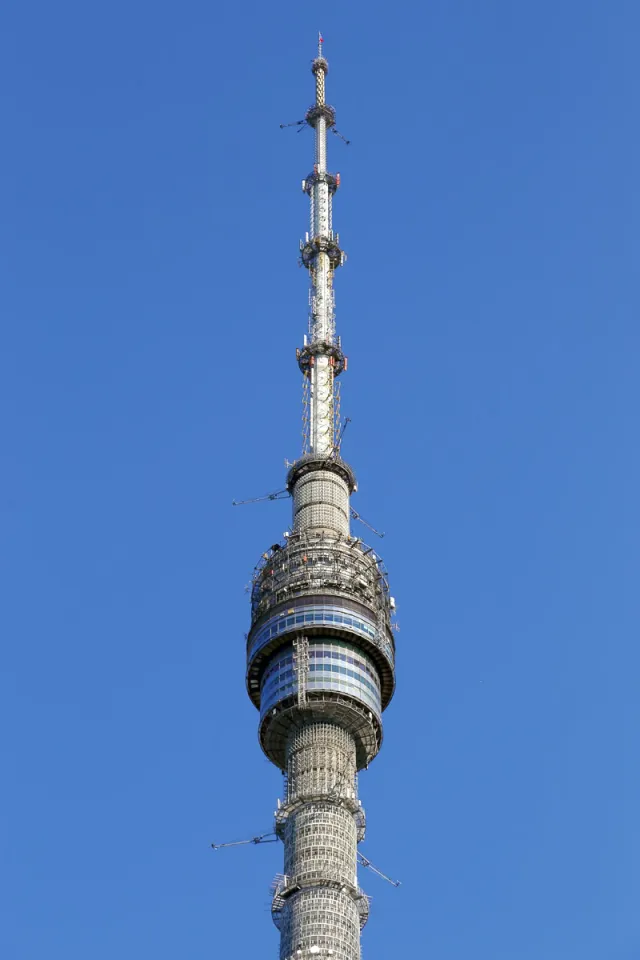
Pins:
x: 321, y: 359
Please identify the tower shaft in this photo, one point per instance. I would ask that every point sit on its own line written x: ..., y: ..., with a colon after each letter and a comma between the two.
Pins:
x: 320, y: 651
x: 326, y: 909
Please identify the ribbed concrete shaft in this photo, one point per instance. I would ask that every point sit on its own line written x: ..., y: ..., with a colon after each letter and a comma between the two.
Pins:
x: 320, y: 843
x: 324, y: 918
x: 321, y: 760
x: 321, y: 504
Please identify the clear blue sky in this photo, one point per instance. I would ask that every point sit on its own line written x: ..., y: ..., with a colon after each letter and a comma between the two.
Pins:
x: 151, y: 306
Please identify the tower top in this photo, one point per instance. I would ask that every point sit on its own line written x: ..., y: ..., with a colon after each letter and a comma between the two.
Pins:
x: 320, y: 63
x: 321, y: 359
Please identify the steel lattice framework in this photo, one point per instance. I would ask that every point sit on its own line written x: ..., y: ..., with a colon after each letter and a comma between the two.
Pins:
x: 320, y: 651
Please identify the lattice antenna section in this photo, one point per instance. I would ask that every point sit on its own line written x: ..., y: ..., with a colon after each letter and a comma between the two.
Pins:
x: 320, y: 253
x: 322, y: 392
x: 331, y: 297
x: 305, y: 415
x: 337, y: 417
x: 310, y: 318
x: 312, y: 214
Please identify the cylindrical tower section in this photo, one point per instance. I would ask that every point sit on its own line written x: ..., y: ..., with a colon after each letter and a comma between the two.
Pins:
x: 321, y: 300
x: 338, y: 682
x: 321, y: 144
x: 321, y: 760
x: 320, y: 917
x: 321, y: 504
x: 320, y: 845
x: 320, y: 68
x: 321, y: 404
x: 321, y: 205
x: 318, y: 903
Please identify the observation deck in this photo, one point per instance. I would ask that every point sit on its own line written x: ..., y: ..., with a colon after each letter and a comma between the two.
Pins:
x: 334, y: 592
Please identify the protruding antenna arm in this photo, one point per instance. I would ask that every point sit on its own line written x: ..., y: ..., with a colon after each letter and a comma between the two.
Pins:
x: 278, y: 495
x: 341, y: 135
x: 356, y: 516
x: 263, y: 838
x: 362, y: 860
x: 338, y: 444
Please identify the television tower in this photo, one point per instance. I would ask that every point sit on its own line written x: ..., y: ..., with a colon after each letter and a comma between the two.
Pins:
x: 320, y: 651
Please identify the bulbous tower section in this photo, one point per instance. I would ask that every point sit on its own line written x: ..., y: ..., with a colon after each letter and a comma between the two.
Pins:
x: 320, y: 650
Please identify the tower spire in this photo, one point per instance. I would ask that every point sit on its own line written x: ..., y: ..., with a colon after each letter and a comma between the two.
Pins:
x: 320, y: 649
x: 321, y: 359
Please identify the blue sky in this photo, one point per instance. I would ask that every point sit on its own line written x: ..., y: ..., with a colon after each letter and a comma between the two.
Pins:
x: 151, y: 308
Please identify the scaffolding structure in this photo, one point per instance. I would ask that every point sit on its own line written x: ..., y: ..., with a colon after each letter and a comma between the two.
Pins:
x: 321, y: 648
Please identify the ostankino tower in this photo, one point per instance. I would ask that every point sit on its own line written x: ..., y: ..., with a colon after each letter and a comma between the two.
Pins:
x: 320, y: 651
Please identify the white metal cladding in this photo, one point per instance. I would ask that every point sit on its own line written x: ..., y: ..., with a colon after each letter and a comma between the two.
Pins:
x: 321, y: 486
x: 334, y: 665
x: 321, y: 405
x: 320, y: 844
x: 321, y: 502
x: 320, y: 917
x: 321, y: 760
x: 320, y: 516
